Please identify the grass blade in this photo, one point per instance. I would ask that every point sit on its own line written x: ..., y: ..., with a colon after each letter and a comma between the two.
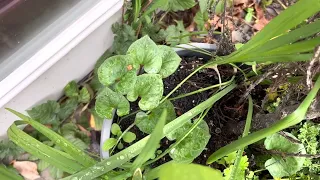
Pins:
x: 64, y: 144
x: 132, y: 151
x: 294, y: 118
x: 149, y: 149
x: 42, y: 151
x: 6, y: 173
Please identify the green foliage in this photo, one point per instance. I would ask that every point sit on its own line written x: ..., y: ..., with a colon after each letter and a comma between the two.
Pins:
x: 71, y: 132
x: 154, y: 31
x: 124, y: 37
x: 71, y: 89
x: 249, y: 14
x: 84, y: 95
x: 152, y: 144
x: 9, y: 173
x: 108, y: 100
x: 147, y: 122
x: 9, y: 149
x: 178, y: 5
x: 182, y: 171
x: 284, y: 166
x: 55, y: 172
x: 170, y: 61
x: 177, y: 34
x: 109, y: 143
x: 200, y: 19
x: 309, y: 135
x: 115, y: 129
x: 149, y: 88
x: 192, y: 146
x: 129, y: 137
x: 46, y: 113
x: 67, y: 108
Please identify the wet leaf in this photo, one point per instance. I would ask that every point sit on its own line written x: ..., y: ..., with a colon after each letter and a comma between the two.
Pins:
x: 150, y: 88
x: 108, y: 100
x: 67, y: 108
x: 71, y: 89
x: 46, y: 113
x: 119, y: 71
x: 192, y: 146
x: 146, y: 123
x: 108, y: 144
x: 178, y: 5
x: 146, y: 53
x: 129, y: 137
x: 27, y: 169
x: 84, y: 95
x: 284, y: 166
x: 170, y: 61
x: 181, y: 171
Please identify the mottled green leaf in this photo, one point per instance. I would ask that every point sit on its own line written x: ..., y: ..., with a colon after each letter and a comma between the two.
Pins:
x: 170, y: 61
x: 200, y: 19
x: 115, y: 129
x: 109, y: 143
x: 203, y: 5
x: 146, y: 123
x: 178, y: 5
x: 129, y: 137
x: 284, y: 166
x: 67, y: 108
x: 170, y: 171
x: 176, y: 34
x: 154, y: 31
x: 46, y: 113
x: 150, y: 88
x: 119, y: 71
x: 125, y: 35
x: 84, y: 95
x: 192, y: 146
x: 71, y: 89
x: 145, y: 52
x: 108, y: 100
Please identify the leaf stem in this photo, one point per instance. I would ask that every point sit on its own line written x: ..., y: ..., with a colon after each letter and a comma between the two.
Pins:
x: 120, y: 137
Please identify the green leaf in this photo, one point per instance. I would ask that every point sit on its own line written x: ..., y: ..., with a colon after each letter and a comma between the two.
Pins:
x: 170, y: 61
x: 67, y: 108
x: 108, y: 144
x: 149, y: 88
x: 108, y: 100
x: 71, y: 132
x: 175, y: 34
x: 119, y: 70
x: 249, y: 14
x: 152, y: 144
x: 178, y: 5
x: 125, y: 35
x: 129, y: 137
x: 6, y: 173
x: 200, y: 19
x: 241, y: 170
x: 44, y: 152
x: 284, y: 166
x: 203, y: 5
x: 155, y: 4
x: 101, y: 59
x: 154, y: 31
x: 179, y: 171
x: 46, y: 113
x: 73, y: 151
x: 145, y: 52
x: 9, y: 149
x: 115, y: 129
x: 71, y: 89
x: 147, y: 123
x: 84, y: 95
x: 192, y: 146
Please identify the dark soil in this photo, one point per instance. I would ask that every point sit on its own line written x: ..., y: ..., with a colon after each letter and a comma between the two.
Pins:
x: 224, y: 111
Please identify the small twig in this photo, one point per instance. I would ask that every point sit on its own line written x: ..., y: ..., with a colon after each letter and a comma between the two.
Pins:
x: 289, y: 138
x: 284, y: 154
x: 316, y: 58
x: 281, y: 3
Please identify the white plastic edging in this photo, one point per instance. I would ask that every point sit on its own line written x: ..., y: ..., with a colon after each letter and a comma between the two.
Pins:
x: 56, y: 49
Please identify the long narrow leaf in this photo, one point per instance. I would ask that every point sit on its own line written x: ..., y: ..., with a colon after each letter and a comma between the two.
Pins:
x: 132, y: 151
x: 7, y: 174
x: 294, y: 118
x: 42, y: 151
x: 285, y: 21
x: 152, y: 144
x: 64, y: 144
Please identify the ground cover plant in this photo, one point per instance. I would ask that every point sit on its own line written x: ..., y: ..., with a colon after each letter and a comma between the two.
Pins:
x: 244, y: 114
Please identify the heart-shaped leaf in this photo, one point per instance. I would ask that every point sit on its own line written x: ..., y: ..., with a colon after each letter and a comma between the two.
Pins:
x: 108, y: 100
x: 170, y: 61
x: 129, y: 137
x: 120, y: 71
x: 146, y: 53
x: 192, y: 146
x: 150, y: 88
x: 284, y: 166
x: 146, y: 123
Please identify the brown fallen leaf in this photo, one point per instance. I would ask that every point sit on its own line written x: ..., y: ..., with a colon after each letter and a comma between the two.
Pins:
x: 261, y: 19
x: 27, y: 169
